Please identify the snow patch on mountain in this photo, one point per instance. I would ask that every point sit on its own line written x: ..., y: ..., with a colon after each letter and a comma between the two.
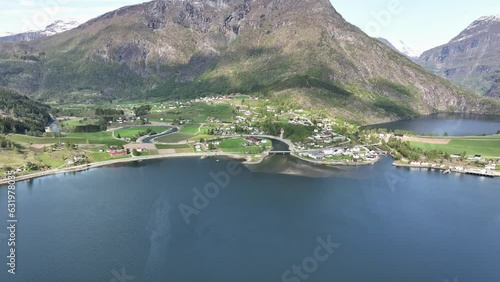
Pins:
x: 406, y: 50
x: 60, y: 26
x: 490, y: 18
x: 54, y: 28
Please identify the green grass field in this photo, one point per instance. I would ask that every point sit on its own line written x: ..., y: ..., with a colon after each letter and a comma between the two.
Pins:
x: 190, y: 129
x: 76, y: 138
x: 133, y: 131
x: 198, y: 113
x: 53, y: 159
x: 100, y: 157
x: 235, y: 145
x: 232, y: 143
x: 73, y: 122
x: 486, y: 146
x: 173, y: 146
x: 174, y: 138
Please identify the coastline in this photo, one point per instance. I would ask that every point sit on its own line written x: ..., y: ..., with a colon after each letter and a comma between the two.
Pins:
x: 448, y: 168
x: 119, y: 161
x: 340, y: 163
x: 243, y: 158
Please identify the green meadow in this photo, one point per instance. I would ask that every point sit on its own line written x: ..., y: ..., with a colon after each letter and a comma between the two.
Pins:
x: 486, y: 146
x: 134, y: 131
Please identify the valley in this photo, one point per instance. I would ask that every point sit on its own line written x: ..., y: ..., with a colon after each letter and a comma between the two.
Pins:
x: 237, y: 126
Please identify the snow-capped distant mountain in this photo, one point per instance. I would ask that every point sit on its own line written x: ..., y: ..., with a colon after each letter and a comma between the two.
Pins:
x: 402, y: 48
x: 406, y: 50
x: 54, y: 28
x: 60, y: 26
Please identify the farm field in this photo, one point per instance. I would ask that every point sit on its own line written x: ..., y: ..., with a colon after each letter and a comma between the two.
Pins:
x: 133, y: 131
x: 174, y: 138
x: 190, y: 129
x: 486, y: 146
x: 73, y: 122
x: 198, y: 113
x: 100, y: 157
x: 76, y: 138
x: 179, y: 148
x: 235, y: 145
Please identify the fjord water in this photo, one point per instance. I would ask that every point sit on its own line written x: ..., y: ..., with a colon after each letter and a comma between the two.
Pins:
x: 123, y: 223
x: 392, y: 224
x: 453, y: 124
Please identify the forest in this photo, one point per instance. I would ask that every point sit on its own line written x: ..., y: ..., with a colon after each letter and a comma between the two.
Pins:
x: 19, y: 114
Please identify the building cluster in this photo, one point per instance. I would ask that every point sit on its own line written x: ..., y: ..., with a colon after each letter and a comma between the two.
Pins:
x: 356, y: 153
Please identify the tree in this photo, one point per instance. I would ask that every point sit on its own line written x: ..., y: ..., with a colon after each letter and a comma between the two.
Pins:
x: 135, y: 153
x: 119, y: 136
x: 446, y: 134
x: 463, y: 155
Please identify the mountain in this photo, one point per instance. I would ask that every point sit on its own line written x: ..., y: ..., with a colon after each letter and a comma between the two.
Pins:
x: 471, y: 59
x: 300, y: 50
x: 19, y: 114
x: 401, y: 47
x: 52, y: 29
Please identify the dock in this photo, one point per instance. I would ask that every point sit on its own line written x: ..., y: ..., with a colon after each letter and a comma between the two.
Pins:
x: 448, y: 169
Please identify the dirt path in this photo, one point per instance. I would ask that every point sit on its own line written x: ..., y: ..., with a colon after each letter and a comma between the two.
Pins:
x: 439, y: 141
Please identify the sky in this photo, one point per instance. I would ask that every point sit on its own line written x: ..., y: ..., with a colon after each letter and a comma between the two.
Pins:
x: 421, y: 25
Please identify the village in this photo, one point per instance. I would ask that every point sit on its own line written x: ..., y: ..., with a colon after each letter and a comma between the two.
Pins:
x: 231, y: 124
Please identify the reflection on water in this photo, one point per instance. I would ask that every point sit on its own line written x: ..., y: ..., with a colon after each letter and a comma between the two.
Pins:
x: 286, y: 164
x: 453, y: 124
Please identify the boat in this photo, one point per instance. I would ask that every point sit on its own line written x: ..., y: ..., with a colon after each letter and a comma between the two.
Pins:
x: 447, y: 171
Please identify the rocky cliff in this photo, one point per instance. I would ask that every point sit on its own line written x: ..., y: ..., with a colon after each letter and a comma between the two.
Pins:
x: 471, y: 59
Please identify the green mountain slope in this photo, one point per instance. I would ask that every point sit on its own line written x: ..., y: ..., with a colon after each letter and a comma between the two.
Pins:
x: 302, y: 49
x: 19, y: 114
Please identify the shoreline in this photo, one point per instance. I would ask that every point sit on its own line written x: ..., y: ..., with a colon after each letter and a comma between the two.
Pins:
x: 444, y: 168
x: 118, y: 161
x: 245, y: 160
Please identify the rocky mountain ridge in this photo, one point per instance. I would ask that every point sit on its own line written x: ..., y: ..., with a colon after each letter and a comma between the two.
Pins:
x: 471, y: 59
x: 299, y: 49
x: 54, y: 28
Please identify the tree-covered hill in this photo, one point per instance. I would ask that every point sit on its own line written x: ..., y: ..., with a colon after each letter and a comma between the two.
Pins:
x: 301, y: 49
x: 19, y: 114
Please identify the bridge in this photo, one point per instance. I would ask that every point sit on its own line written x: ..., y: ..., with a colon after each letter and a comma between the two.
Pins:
x: 279, y: 152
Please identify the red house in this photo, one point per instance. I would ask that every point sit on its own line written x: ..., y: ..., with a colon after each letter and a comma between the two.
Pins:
x: 117, y: 153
